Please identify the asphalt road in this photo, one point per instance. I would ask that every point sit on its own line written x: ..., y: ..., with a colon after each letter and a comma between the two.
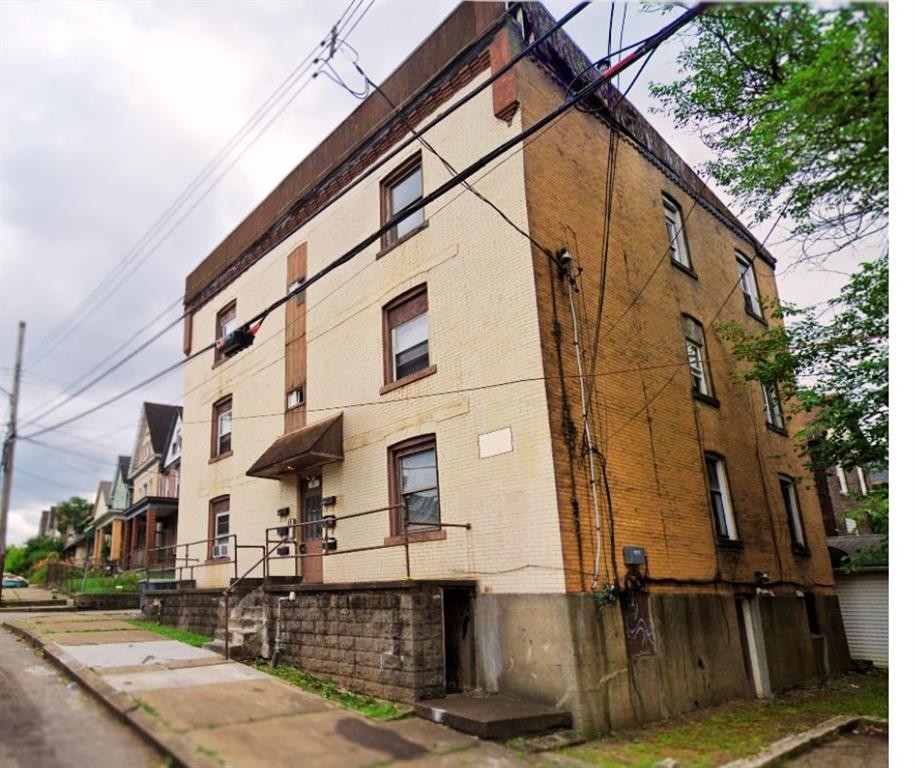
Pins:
x: 47, y: 721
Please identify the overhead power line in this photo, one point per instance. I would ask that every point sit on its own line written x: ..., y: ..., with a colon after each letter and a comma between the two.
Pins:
x: 121, y: 271
x: 586, y: 91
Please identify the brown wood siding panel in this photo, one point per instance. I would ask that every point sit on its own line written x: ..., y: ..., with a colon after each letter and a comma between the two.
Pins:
x: 651, y: 429
x: 460, y: 29
x: 296, y: 310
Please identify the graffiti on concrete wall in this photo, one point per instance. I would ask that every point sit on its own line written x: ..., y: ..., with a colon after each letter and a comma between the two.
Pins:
x: 637, y: 624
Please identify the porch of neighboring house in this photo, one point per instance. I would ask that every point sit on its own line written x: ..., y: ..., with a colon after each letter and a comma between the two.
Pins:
x: 149, y: 536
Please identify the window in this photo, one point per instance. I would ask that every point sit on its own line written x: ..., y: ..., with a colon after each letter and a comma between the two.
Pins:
x: 225, y: 324
x: 414, y: 484
x: 863, y: 486
x: 294, y: 398
x: 219, y: 527
x: 748, y: 285
x: 677, y: 241
x: 406, y: 331
x: 222, y: 427
x: 296, y: 284
x: 841, y: 476
x: 771, y: 406
x: 399, y: 190
x: 719, y: 500
x: 814, y: 625
x: 790, y: 499
x: 696, y: 356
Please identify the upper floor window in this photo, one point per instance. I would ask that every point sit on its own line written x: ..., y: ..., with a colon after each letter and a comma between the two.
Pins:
x: 400, y: 189
x: 748, y: 285
x: 406, y: 336
x: 677, y: 241
x: 294, y: 397
x: 414, y: 483
x: 719, y: 498
x: 225, y: 324
x: 697, y: 360
x: 772, y: 407
x: 222, y: 427
x: 790, y: 500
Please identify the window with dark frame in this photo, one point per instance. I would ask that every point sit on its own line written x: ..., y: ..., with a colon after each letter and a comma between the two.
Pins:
x: 398, y: 190
x: 677, y: 240
x: 225, y: 324
x: 719, y: 498
x: 406, y: 335
x: 222, y: 427
x: 294, y: 397
x: 748, y: 282
x: 697, y: 360
x: 772, y: 407
x: 414, y: 484
x: 219, y: 527
x: 793, y: 514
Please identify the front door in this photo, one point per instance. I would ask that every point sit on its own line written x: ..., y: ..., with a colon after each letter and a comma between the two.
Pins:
x: 310, y: 537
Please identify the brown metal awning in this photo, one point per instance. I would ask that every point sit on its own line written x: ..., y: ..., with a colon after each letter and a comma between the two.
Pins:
x: 305, y: 449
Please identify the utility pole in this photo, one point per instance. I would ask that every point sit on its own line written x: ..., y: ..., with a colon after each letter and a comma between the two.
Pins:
x: 8, y: 445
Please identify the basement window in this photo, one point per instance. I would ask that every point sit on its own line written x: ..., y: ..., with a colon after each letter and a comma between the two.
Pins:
x: 719, y: 498
x: 677, y: 240
x: 399, y: 190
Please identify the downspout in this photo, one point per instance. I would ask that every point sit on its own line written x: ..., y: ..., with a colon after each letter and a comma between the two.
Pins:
x: 566, y: 264
x: 278, y: 629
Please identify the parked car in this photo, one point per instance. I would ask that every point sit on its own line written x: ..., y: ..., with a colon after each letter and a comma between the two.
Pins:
x: 13, y: 581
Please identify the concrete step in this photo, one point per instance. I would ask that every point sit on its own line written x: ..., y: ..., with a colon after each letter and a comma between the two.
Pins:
x: 237, y: 651
x: 492, y: 716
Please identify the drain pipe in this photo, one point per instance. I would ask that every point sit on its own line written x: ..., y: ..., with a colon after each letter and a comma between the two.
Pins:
x: 277, y: 631
x: 566, y: 263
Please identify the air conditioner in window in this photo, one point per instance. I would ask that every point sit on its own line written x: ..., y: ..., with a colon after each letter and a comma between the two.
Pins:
x: 221, y: 549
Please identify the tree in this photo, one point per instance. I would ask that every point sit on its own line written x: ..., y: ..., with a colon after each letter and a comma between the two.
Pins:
x: 792, y: 100
x: 74, y: 513
x: 21, y: 559
x: 837, y: 371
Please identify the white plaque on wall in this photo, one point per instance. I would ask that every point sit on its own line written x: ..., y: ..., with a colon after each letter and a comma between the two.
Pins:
x: 495, y: 443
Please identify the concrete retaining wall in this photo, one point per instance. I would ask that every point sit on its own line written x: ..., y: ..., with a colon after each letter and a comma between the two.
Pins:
x: 108, y: 601
x: 194, y: 610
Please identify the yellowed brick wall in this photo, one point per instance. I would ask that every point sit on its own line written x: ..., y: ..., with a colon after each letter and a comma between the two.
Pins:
x: 650, y: 427
x: 483, y: 331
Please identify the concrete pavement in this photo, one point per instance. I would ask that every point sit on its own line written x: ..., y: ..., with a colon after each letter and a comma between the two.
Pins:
x: 206, y: 712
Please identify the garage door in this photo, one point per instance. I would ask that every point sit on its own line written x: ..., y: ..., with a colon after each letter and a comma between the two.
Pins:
x: 863, y: 603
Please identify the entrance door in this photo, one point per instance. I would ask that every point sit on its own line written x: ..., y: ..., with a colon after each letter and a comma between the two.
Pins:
x: 310, y: 537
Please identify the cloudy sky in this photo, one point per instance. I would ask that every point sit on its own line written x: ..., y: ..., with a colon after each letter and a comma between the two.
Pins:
x: 108, y: 111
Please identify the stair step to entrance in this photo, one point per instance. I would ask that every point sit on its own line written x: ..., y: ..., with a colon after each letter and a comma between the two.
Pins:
x: 492, y: 716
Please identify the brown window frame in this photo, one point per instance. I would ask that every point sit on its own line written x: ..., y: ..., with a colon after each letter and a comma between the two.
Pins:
x: 217, y: 509
x: 218, y: 409
x: 301, y: 390
x: 400, y: 310
x: 395, y: 453
x: 669, y: 203
x: 405, y: 169
x: 218, y: 356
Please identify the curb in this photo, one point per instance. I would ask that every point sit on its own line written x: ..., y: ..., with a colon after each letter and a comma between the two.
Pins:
x: 123, y: 706
x: 796, y: 744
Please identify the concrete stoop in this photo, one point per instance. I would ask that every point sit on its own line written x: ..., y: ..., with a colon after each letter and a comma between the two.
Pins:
x: 247, y: 629
x: 492, y: 716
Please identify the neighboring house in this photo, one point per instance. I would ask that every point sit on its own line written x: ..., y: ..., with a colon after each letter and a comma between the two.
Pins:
x: 108, y: 525
x: 431, y: 386
x: 101, y: 538
x: 47, y: 524
x: 151, y: 520
x: 863, y: 593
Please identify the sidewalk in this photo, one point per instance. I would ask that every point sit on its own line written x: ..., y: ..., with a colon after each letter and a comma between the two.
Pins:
x: 207, y: 712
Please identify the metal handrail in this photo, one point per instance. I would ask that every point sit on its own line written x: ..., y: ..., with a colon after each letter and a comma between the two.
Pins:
x: 228, y: 591
x: 197, y: 563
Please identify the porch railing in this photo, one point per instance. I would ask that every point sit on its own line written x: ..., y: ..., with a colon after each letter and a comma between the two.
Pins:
x: 184, y: 558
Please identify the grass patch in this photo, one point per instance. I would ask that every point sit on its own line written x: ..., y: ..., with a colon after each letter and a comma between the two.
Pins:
x: 365, y: 705
x: 97, y: 584
x: 739, y: 728
x: 191, y: 638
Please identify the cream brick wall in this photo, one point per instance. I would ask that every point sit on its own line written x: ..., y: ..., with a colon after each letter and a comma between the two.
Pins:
x: 483, y: 331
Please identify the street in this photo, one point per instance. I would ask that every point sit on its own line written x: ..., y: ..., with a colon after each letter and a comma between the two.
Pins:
x: 48, y: 721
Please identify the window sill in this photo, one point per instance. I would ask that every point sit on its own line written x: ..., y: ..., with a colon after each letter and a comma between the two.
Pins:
x: 218, y: 560
x: 435, y: 535
x: 290, y: 409
x: 416, y: 376
x: 391, y: 246
x: 685, y: 269
x: 759, y: 318
x: 801, y: 550
x: 778, y: 430
x: 708, y: 399
x: 724, y: 543
x: 219, y: 361
x: 226, y: 455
